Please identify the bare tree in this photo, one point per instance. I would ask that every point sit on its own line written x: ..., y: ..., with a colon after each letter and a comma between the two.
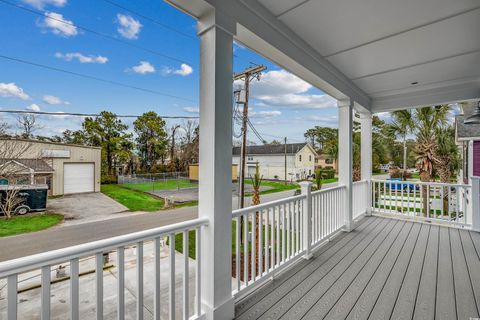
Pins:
x: 27, y: 123
x: 4, y: 127
x: 10, y: 151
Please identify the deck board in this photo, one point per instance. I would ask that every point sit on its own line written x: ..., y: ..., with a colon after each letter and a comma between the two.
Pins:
x: 425, y: 302
x: 384, y: 269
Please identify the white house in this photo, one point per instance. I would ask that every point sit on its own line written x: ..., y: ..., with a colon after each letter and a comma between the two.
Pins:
x: 300, y: 159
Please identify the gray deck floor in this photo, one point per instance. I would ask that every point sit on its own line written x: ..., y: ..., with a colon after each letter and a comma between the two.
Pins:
x: 384, y: 269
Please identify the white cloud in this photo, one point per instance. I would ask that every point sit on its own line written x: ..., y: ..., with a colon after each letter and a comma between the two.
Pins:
x: 12, y: 90
x: 183, y: 71
x: 128, y: 27
x: 264, y: 114
x: 283, y: 89
x: 191, y: 110
x: 81, y: 57
x: 33, y: 107
x: 299, y: 101
x: 53, y: 100
x: 143, y: 67
x: 59, y: 25
x: 40, y: 4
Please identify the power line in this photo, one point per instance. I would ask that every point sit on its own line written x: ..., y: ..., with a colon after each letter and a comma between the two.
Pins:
x: 86, y: 76
x: 163, y: 25
x: 89, y: 114
x: 42, y: 14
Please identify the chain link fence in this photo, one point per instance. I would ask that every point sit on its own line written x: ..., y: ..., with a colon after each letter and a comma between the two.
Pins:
x: 157, y: 181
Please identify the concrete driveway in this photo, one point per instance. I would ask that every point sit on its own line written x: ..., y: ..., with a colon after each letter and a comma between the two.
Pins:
x: 85, y: 207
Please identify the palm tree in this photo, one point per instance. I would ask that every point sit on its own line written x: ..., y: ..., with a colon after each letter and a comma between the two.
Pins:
x: 403, y: 123
x: 427, y: 122
x: 447, y: 158
x: 256, y: 183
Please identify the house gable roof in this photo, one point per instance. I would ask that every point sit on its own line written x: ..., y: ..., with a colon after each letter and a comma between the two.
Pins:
x: 273, y: 149
x: 466, y: 131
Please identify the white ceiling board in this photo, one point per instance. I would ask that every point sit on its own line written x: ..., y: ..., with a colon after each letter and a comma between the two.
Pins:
x: 440, y: 40
x: 331, y: 26
x: 460, y: 67
x: 280, y: 6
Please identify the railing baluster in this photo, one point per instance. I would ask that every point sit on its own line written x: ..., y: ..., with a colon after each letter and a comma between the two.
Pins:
x: 238, y: 257
x: 140, y: 279
x: 186, y: 277
x: 171, y: 284
x: 267, y: 239
x: 245, y: 249
x: 260, y: 243
x: 428, y: 200
x: 449, y: 200
x: 74, y: 289
x: 99, y: 284
x: 254, y: 246
x: 12, y: 296
x: 282, y: 210
x: 121, y: 283
x: 272, y: 241
x: 278, y: 251
x: 46, y: 274
x: 157, y: 276
x: 198, y: 271
x: 288, y: 231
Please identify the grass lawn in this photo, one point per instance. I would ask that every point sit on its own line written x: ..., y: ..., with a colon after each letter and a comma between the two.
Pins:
x: 132, y: 199
x: 161, y: 185
x: 275, y: 186
x: 28, y: 223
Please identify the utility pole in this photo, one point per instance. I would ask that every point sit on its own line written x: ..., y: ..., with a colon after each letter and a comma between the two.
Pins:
x: 285, y: 160
x: 247, y: 75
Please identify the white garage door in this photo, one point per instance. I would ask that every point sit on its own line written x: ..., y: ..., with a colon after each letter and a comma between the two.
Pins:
x: 78, y: 177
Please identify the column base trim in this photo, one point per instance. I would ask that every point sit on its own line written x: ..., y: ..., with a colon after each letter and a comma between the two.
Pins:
x: 225, y: 311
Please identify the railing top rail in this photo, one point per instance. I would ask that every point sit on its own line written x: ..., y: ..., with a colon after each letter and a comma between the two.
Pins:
x: 328, y: 189
x: 360, y: 181
x: 425, y: 183
x: 60, y: 255
x: 239, y: 212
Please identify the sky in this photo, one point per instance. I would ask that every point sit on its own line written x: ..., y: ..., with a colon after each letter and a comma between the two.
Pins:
x: 155, y: 49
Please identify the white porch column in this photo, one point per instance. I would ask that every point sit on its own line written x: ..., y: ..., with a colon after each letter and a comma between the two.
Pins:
x: 366, y: 155
x: 345, y: 129
x: 215, y: 183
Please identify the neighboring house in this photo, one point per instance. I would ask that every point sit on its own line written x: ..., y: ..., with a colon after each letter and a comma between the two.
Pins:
x: 271, y: 160
x: 468, y: 140
x: 325, y: 161
x: 65, y: 168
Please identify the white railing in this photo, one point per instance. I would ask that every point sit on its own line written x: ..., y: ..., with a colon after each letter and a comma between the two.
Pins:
x: 267, y: 237
x: 278, y: 233
x: 328, y: 213
x: 147, y: 268
x: 424, y: 200
x: 360, y: 198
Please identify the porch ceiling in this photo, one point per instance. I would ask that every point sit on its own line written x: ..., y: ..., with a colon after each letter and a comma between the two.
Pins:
x: 369, y: 50
x: 383, y: 46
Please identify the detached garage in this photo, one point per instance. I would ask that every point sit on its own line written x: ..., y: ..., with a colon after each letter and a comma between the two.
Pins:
x: 73, y: 168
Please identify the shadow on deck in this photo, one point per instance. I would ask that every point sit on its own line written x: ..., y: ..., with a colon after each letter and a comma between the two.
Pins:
x: 385, y: 268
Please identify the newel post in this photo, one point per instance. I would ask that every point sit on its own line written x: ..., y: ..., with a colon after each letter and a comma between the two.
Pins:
x: 475, y: 203
x: 307, y: 218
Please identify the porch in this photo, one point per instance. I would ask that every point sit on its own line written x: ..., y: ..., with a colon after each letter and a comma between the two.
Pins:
x: 385, y: 268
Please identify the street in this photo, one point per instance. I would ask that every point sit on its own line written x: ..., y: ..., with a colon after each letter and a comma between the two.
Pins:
x: 66, y: 236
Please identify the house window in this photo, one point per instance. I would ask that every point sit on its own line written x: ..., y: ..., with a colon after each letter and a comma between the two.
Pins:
x: 300, y: 158
x: 250, y: 158
x: 310, y: 158
x: 328, y: 161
